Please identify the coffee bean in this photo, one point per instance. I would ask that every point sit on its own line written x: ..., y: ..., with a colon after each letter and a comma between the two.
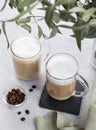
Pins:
x: 34, y: 86
x: 19, y: 112
x: 30, y: 90
x: 27, y: 112
x: 23, y: 118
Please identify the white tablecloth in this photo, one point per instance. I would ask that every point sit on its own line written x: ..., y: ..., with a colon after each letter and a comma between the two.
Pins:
x: 9, y: 120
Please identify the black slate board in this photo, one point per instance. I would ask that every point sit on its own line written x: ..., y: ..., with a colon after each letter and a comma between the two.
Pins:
x: 71, y: 105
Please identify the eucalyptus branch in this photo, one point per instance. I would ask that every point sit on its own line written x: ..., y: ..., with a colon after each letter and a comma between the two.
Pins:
x: 37, y: 16
x: 5, y: 33
x: 83, y: 22
x: 15, y: 19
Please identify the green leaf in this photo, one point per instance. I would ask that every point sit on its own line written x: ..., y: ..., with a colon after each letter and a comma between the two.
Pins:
x: 91, y: 32
x: 88, y: 14
x: 26, y: 27
x: 54, y: 31
x: 40, y: 32
x: 93, y: 3
x: 29, y: 11
x: 78, y: 37
x: 4, y: 5
x: 66, y: 16
x: 56, y: 17
x: 45, y: 2
x: 85, y: 31
x: 0, y: 31
x: 15, y: 4
x: 12, y: 3
x: 64, y: 2
x: 23, y: 20
x: 25, y: 3
x: 77, y: 9
x: 4, y: 31
x: 92, y: 22
x: 45, y: 36
x: 49, y: 15
x: 78, y: 33
x: 68, y: 4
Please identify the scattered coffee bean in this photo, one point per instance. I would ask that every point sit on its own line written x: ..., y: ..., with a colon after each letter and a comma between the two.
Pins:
x: 15, y: 97
x: 19, y: 112
x: 27, y: 112
x: 30, y: 90
x: 34, y: 86
x: 23, y: 118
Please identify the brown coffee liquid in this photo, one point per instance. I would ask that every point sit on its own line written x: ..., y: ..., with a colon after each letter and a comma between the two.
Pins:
x: 60, y: 92
x: 27, y: 69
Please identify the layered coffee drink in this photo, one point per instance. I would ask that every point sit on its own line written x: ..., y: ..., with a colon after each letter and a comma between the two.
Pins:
x: 26, y: 53
x: 60, y: 79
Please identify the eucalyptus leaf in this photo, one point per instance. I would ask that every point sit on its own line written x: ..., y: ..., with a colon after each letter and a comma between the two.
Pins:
x: 25, y: 3
x: 77, y: 9
x: 79, y: 33
x: 54, y: 31
x: 23, y: 20
x: 94, y: 3
x: 56, y: 17
x: 40, y: 31
x: 12, y: 3
x: 45, y: 2
x: 49, y: 15
x: 15, y: 3
x: 78, y: 36
x: 92, y: 22
x: 64, y: 2
x: 4, y: 31
x: 66, y: 16
x: 69, y: 4
x: 85, y: 31
x: 26, y: 27
x: 29, y: 11
x: 0, y: 31
x: 91, y: 32
x: 45, y: 36
x: 88, y: 14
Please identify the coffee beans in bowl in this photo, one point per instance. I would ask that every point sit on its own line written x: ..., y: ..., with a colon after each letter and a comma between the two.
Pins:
x: 15, y: 97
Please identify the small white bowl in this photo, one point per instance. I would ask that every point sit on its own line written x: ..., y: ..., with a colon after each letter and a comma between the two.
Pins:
x: 17, y: 105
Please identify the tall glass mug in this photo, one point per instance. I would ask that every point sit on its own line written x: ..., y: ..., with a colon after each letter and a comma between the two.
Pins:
x: 26, y: 54
x: 61, y: 75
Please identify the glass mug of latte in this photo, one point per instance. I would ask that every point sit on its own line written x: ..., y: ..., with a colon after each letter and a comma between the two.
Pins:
x: 61, y: 77
x: 26, y: 54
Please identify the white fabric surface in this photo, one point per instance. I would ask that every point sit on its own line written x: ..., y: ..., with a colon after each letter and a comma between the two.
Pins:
x: 9, y: 120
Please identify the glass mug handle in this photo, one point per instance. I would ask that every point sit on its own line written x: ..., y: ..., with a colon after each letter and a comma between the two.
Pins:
x: 84, y: 84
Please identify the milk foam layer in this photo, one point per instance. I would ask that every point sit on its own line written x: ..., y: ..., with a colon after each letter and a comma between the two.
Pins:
x: 26, y: 47
x: 62, y: 66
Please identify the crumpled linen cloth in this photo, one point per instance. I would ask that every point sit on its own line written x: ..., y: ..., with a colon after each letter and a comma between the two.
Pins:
x: 56, y: 121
